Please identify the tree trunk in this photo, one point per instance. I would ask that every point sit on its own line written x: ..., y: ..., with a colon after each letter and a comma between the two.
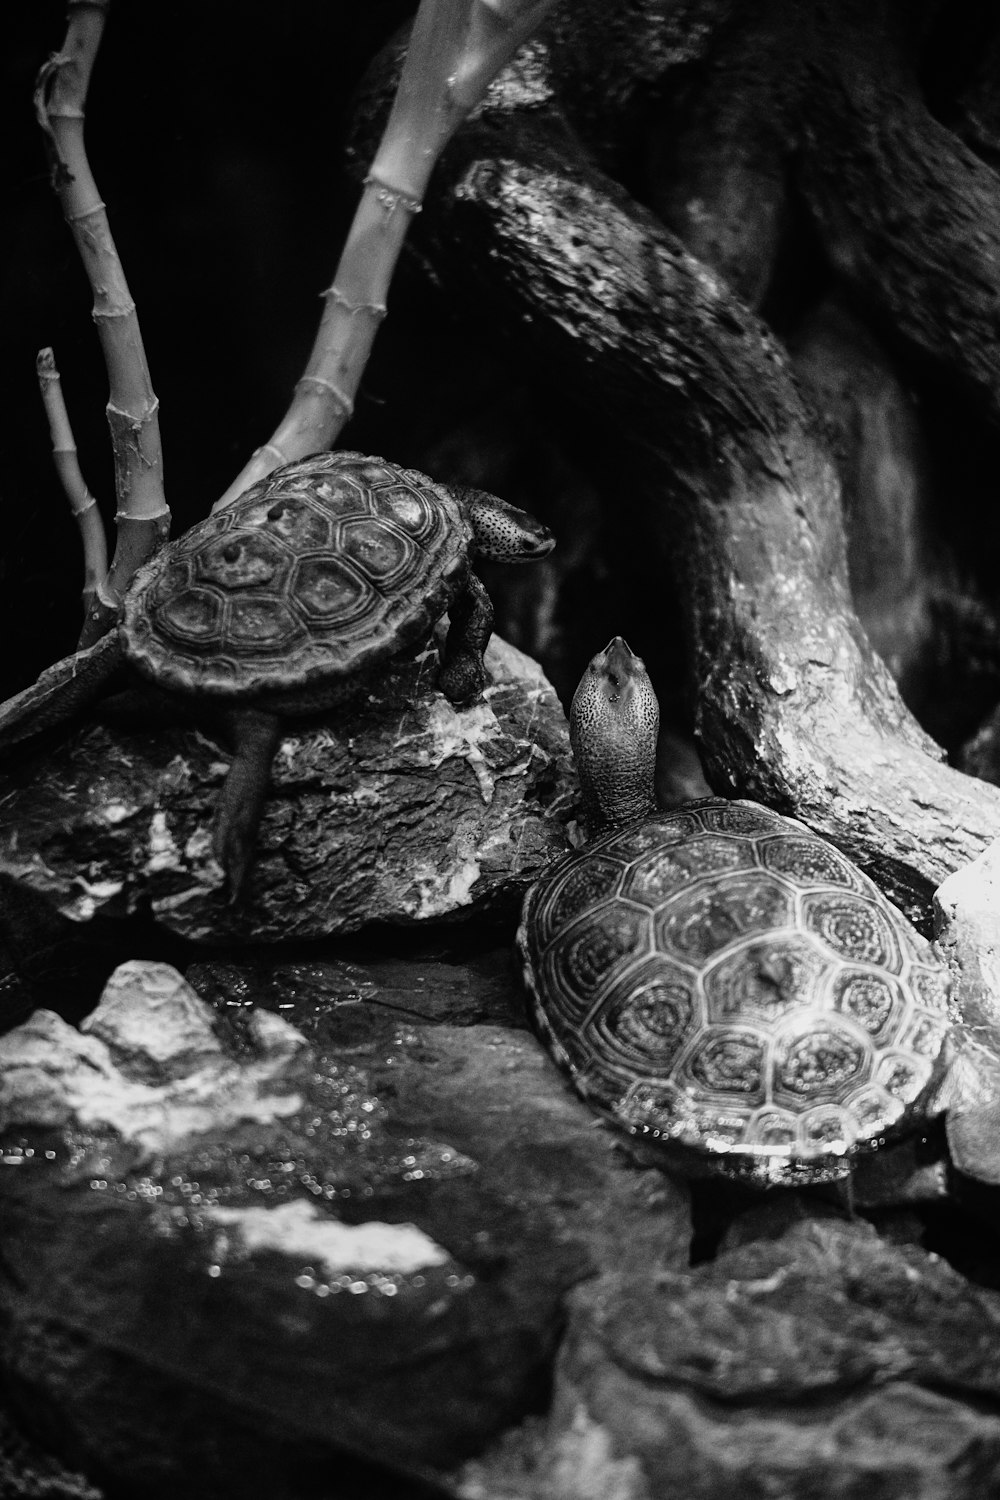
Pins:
x: 725, y: 481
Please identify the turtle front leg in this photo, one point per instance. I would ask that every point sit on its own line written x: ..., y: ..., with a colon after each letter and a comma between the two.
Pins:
x: 463, y: 673
x: 255, y: 736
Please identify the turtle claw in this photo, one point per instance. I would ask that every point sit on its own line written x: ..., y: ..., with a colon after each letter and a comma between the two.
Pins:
x: 232, y: 891
x: 233, y: 853
x: 463, y: 674
x: 463, y: 679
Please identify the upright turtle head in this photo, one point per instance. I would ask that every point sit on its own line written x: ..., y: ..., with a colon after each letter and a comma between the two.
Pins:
x: 500, y: 531
x: 613, y: 726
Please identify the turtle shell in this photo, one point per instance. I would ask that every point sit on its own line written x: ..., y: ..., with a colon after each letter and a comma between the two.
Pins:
x: 316, y: 575
x: 719, y: 979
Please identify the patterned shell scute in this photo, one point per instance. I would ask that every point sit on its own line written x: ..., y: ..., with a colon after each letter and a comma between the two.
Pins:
x: 317, y: 574
x: 722, y: 979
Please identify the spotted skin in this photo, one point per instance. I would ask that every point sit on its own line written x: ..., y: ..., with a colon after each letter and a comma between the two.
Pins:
x: 501, y: 532
x: 614, y: 722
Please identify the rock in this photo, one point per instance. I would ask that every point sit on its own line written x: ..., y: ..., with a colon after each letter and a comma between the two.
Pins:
x: 147, y: 1065
x: 485, y: 1085
x: 359, y: 1261
x: 967, y: 921
x: 824, y: 1362
x: 346, y: 1001
x: 967, y: 936
x: 400, y: 808
x: 28, y: 1473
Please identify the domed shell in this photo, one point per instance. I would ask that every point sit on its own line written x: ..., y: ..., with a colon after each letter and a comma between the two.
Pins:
x: 318, y: 573
x: 721, y: 980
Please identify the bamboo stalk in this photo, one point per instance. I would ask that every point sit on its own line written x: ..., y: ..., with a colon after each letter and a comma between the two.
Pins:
x: 81, y: 501
x: 143, y: 518
x: 456, y: 49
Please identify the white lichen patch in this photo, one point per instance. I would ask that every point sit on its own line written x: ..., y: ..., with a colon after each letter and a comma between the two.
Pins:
x: 90, y: 896
x: 117, y: 812
x: 289, y: 749
x: 303, y: 1232
x: 360, y: 796
x: 583, y: 1464
x: 198, y: 847
x: 204, y: 874
x: 459, y: 734
x: 440, y: 889
x: 164, y: 853
x: 967, y: 919
x: 782, y: 680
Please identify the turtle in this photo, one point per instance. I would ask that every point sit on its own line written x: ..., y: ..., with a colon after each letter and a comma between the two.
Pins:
x: 289, y: 600
x: 718, y: 980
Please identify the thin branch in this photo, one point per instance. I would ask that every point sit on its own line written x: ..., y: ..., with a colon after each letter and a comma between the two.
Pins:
x: 456, y: 49
x: 143, y: 518
x: 81, y: 501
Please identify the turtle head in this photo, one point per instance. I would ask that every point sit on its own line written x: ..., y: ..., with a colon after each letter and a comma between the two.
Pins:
x: 500, y: 531
x: 613, y: 726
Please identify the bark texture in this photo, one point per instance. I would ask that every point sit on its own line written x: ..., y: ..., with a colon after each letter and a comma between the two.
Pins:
x: 909, y: 214
x: 725, y: 481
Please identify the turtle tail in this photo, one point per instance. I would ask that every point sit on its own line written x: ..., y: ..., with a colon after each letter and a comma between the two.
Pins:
x: 256, y: 735
x: 60, y: 692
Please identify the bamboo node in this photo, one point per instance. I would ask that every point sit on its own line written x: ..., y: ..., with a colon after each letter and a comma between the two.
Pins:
x: 85, y: 213
x: 153, y: 515
x: 107, y: 595
x: 318, y: 383
x: 61, y: 174
x: 124, y: 310
x: 275, y: 450
x: 136, y: 421
x: 375, y: 310
x: 390, y: 198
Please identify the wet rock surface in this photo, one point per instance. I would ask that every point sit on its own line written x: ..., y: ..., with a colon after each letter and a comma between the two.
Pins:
x: 309, y: 1212
x: 400, y: 808
x: 824, y: 1362
x: 362, y: 1259
x: 27, y: 1472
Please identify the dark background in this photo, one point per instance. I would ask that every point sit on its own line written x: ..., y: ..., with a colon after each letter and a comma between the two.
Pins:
x: 215, y: 132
